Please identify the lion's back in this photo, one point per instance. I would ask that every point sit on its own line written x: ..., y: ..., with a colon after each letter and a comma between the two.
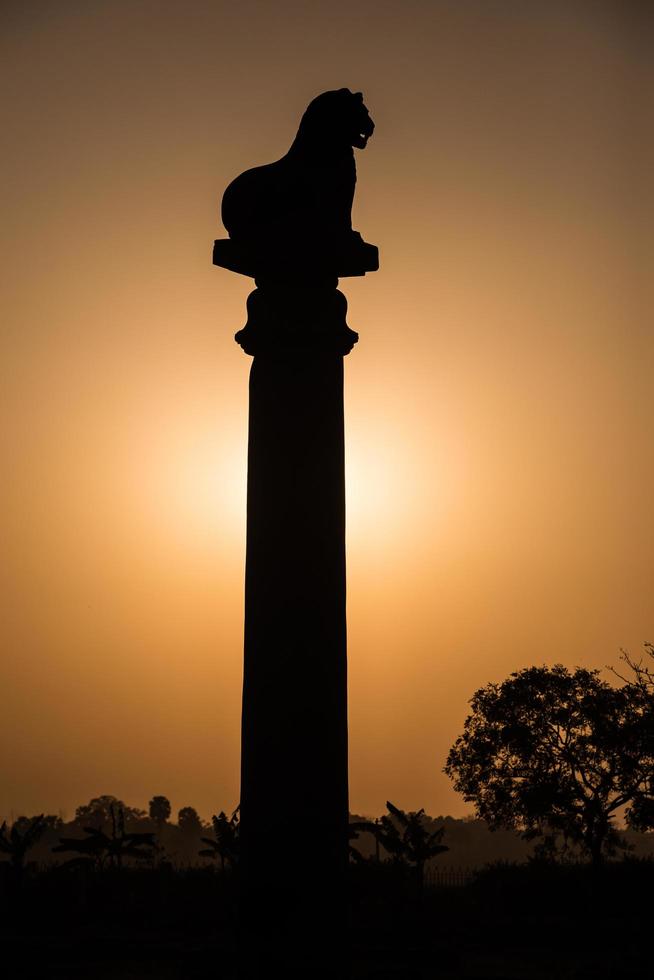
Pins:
x: 249, y: 199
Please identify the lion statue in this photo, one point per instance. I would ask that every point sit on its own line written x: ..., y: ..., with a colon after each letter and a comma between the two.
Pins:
x: 296, y: 214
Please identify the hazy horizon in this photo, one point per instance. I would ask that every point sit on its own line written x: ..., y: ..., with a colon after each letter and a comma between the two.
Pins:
x: 499, y: 428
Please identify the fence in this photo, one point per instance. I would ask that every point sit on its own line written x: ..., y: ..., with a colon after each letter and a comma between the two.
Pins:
x: 447, y: 877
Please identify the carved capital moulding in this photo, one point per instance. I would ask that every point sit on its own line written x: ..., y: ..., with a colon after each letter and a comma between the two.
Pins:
x: 297, y: 305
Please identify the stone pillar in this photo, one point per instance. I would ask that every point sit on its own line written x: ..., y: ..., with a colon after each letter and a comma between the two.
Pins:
x: 290, y: 229
x: 294, y: 789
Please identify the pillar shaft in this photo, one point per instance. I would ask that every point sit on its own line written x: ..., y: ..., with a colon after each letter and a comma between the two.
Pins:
x: 294, y: 785
x: 294, y: 728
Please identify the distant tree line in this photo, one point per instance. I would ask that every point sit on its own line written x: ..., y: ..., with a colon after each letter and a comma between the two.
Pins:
x: 108, y: 833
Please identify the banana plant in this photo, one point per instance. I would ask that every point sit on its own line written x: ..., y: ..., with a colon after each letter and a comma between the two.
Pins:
x: 356, y: 827
x: 405, y: 838
x: 18, y: 841
x: 101, y: 849
x: 225, y: 842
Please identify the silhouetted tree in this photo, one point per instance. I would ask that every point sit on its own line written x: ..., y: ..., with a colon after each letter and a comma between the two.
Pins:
x: 190, y: 829
x: 98, y: 812
x: 225, y: 842
x: 22, y: 836
x: 99, y: 848
x: 550, y: 751
x: 405, y: 838
x: 159, y: 810
x: 188, y: 821
x: 642, y: 672
x: 640, y: 683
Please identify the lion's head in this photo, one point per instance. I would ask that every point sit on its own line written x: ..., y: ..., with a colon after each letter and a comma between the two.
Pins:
x: 335, y: 119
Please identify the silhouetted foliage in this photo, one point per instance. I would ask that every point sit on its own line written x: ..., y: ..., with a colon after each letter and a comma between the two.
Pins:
x: 642, y: 674
x: 532, y: 920
x: 188, y: 821
x: 405, y: 837
x: 225, y: 842
x: 98, y: 812
x: 22, y: 836
x: 100, y: 849
x: 159, y: 810
x: 554, y: 754
x: 640, y: 683
x: 355, y: 827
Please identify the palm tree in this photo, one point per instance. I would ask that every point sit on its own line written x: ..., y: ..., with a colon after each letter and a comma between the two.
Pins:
x: 225, y: 842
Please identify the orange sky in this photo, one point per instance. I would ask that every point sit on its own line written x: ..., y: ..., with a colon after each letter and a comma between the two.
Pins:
x: 499, y: 404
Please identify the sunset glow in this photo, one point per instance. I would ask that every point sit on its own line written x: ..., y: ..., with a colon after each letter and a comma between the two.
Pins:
x: 499, y: 428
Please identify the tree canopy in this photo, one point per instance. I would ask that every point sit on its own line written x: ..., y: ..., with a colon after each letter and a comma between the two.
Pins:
x: 556, y: 754
x: 188, y: 820
x: 159, y: 809
x: 640, y: 681
x: 98, y: 812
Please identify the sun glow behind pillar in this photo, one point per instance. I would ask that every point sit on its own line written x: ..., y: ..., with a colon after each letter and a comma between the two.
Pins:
x: 498, y: 418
